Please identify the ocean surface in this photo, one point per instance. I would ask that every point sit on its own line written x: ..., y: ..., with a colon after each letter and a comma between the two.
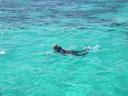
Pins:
x: 29, y: 29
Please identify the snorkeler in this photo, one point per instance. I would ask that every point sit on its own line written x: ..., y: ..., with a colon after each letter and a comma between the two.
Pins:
x: 59, y: 49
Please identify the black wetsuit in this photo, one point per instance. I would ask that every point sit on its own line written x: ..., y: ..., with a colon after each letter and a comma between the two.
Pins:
x: 73, y: 52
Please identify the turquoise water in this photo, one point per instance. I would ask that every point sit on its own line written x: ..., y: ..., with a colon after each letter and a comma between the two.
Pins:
x: 29, y: 29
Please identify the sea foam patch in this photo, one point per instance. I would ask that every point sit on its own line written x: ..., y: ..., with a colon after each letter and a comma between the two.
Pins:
x: 3, y: 51
x: 93, y: 48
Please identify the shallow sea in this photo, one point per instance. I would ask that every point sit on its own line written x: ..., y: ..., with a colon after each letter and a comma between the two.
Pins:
x: 29, y: 29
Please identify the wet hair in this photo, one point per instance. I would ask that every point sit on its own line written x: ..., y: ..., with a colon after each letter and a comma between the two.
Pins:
x: 57, y: 48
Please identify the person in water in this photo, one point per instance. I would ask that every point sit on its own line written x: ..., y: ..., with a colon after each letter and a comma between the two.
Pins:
x: 59, y: 49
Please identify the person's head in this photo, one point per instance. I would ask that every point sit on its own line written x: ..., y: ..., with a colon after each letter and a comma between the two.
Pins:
x: 57, y: 48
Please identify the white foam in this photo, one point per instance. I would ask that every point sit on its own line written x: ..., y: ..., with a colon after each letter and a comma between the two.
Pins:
x: 94, y: 48
x: 3, y: 51
x: 48, y: 53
